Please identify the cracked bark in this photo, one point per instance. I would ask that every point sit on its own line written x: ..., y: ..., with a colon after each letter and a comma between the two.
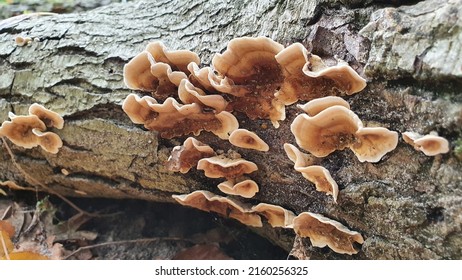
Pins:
x: 406, y: 206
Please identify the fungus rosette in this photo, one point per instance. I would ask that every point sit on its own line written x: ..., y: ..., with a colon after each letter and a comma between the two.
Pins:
x: 249, y: 72
x: 306, y: 77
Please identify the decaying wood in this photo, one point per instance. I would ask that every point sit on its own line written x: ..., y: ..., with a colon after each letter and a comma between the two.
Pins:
x: 406, y: 206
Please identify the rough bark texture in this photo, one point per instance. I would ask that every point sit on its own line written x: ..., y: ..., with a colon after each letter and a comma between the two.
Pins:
x: 407, y: 206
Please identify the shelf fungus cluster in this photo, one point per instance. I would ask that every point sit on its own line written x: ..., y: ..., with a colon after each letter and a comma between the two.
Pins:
x: 29, y: 131
x: 258, y: 78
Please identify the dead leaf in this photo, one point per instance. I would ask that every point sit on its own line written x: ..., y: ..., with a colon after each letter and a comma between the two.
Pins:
x: 6, y: 246
x: 27, y: 256
x: 202, y: 252
x: 7, y: 228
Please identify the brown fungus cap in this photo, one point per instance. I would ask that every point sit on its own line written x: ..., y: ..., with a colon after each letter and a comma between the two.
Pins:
x: 332, y: 129
x: 223, y: 167
x: 186, y: 156
x: 306, y: 76
x: 144, y: 73
x: 316, y: 174
x: 249, y: 140
x: 430, y: 145
x: 315, y: 106
x: 201, y: 77
x: 248, y: 71
x: 189, y: 94
x: 372, y: 143
x: 243, y: 187
x: 321, y: 178
x: 173, y: 119
x: 297, y: 157
x: 19, y: 130
x: 323, y: 231
x: 49, y: 141
x: 276, y: 215
x: 227, y: 207
x: 177, y: 59
x: 50, y: 118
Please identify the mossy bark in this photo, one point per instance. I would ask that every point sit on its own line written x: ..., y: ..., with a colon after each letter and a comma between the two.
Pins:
x: 407, y: 206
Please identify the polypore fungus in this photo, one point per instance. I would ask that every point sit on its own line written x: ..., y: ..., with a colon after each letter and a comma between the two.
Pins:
x: 332, y: 129
x: 50, y: 118
x: 315, y: 106
x: 250, y: 73
x: 49, y: 141
x: 316, y: 174
x: 189, y: 94
x: 430, y: 145
x: 323, y: 231
x: 227, y: 207
x: 307, y: 77
x: 173, y: 119
x: 19, y: 130
x: 223, y: 167
x: 243, y: 187
x: 186, y: 156
x: 337, y: 128
x: 249, y: 140
x: 276, y: 215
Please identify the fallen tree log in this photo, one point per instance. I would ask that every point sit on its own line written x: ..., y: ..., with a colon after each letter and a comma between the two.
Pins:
x: 406, y: 206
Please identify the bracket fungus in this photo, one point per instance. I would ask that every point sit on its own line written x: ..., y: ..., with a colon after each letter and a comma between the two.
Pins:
x: 430, y: 145
x: 249, y: 72
x: 316, y: 174
x: 27, y: 132
x: 323, y: 231
x: 243, y: 187
x: 189, y: 94
x: 223, y: 167
x: 50, y: 118
x: 315, y: 106
x: 307, y: 77
x: 227, y: 207
x: 276, y: 215
x: 249, y: 140
x: 186, y: 156
x: 173, y: 119
x: 337, y: 128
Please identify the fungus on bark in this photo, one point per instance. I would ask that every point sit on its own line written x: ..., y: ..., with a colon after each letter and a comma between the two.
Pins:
x: 276, y: 215
x: 227, y: 207
x: 50, y: 118
x: 223, y: 167
x: 315, y: 106
x: 244, y: 138
x: 323, y: 231
x: 337, y: 128
x: 307, y: 77
x: 19, y: 130
x: 173, y: 119
x: 316, y: 174
x: 49, y: 141
x: 186, y: 156
x: 242, y: 187
x: 430, y: 145
x: 249, y: 72
x: 189, y: 94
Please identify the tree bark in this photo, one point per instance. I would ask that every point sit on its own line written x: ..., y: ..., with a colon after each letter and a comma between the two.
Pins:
x: 407, y: 206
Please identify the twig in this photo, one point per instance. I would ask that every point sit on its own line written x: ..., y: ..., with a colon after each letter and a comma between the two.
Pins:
x: 36, y: 183
x: 142, y: 240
